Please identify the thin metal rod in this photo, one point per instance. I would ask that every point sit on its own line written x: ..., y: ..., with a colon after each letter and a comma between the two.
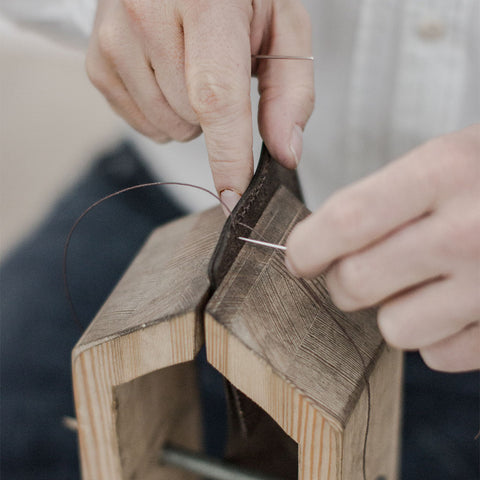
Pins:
x: 265, y: 244
x: 282, y: 57
x: 208, y: 467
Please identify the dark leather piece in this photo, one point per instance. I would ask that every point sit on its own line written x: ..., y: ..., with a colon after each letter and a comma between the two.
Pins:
x: 264, y: 446
x: 267, y: 179
x: 247, y: 419
x: 243, y: 413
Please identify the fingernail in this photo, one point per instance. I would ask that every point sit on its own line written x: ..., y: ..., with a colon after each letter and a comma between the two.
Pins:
x: 296, y: 143
x: 290, y: 267
x: 229, y: 199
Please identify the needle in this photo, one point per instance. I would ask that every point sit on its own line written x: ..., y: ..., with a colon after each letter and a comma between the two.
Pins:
x: 265, y: 244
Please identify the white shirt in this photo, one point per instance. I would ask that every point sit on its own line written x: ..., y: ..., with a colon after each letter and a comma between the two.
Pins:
x: 389, y: 75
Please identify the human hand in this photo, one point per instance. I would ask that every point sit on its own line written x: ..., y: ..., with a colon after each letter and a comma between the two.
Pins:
x: 408, y: 239
x: 177, y: 67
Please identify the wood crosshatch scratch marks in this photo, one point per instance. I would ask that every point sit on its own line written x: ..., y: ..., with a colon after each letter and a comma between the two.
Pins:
x: 263, y: 331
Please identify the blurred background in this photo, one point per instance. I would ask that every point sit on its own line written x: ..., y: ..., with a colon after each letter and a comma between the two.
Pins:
x: 52, y: 122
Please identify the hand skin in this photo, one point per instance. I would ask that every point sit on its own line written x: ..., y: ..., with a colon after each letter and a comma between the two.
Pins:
x: 407, y: 238
x: 175, y: 68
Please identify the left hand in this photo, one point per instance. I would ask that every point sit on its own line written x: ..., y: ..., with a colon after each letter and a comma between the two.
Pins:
x: 175, y: 68
x: 407, y: 238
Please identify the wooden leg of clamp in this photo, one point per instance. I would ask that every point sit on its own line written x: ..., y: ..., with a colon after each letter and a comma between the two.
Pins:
x: 304, y: 362
x: 134, y: 379
x: 292, y: 355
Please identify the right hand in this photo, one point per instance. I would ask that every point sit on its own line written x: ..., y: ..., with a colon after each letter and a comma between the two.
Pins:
x: 175, y: 68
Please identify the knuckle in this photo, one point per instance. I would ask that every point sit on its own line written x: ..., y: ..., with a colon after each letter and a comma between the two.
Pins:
x: 194, y: 7
x: 459, y: 238
x: 297, y: 15
x: 469, y: 235
x: 301, y: 12
x: 188, y: 115
x: 351, y: 279
x: 344, y: 214
x: 455, y: 144
x: 133, y: 7
x: 455, y: 153
x: 97, y: 76
x: 138, y: 12
x: 176, y: 128
x: 186, y: 133
x: 446, y: 247
x: 212, y: 95
x: 304, y: 96
x: 302, y: 19
x: 108, y: 38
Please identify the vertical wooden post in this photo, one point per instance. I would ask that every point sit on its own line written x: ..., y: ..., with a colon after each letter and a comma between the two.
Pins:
x: 134, y: 380
x: 299, y: 360
x: 291, y: 354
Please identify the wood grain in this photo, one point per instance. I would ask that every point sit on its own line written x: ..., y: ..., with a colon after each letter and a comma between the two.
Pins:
x: 150, y: 322
x: 289, y: 351
x: 384, y: 437
x: 273, y: 341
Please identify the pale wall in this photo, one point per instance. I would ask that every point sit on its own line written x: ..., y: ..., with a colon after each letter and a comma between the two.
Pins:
x: 52, y: 121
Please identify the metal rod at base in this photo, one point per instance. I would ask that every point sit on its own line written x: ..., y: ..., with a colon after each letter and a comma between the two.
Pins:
x: 208, y: 467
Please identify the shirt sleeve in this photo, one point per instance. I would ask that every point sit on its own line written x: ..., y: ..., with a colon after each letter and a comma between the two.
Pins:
x: 67, y: 21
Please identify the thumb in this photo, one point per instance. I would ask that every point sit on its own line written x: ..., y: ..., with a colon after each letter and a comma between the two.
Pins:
x: 286, y: 86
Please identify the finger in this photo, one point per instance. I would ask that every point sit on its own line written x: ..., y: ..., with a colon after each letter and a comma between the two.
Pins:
x: 168, y: 61
x: 107, y: 81
x: 410, y: 256
x: 460, y: 352
x: 217, y: 65
x: 430, y: 313
x: 141, y: 83
x: 361, y: 214
x: 163, y: 42
x: 286, y: 86
x: 127, y: 57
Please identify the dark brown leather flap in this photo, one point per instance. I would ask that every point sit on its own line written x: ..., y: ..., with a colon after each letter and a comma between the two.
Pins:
x: 267, y: 179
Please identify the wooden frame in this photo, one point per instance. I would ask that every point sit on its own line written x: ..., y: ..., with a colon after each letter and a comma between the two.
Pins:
x: 133, y: 376
x: 263, y: 332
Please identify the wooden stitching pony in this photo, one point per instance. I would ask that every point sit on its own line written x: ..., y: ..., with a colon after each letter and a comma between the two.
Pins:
x: 306, y: 380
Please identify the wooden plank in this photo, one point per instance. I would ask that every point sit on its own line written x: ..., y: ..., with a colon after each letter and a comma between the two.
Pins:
x: 165, y: 280
x: 134, y: 379
x: 383, y: 446
x: 271, y: 339
x: 162, y: 406
x: 150, y: 322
